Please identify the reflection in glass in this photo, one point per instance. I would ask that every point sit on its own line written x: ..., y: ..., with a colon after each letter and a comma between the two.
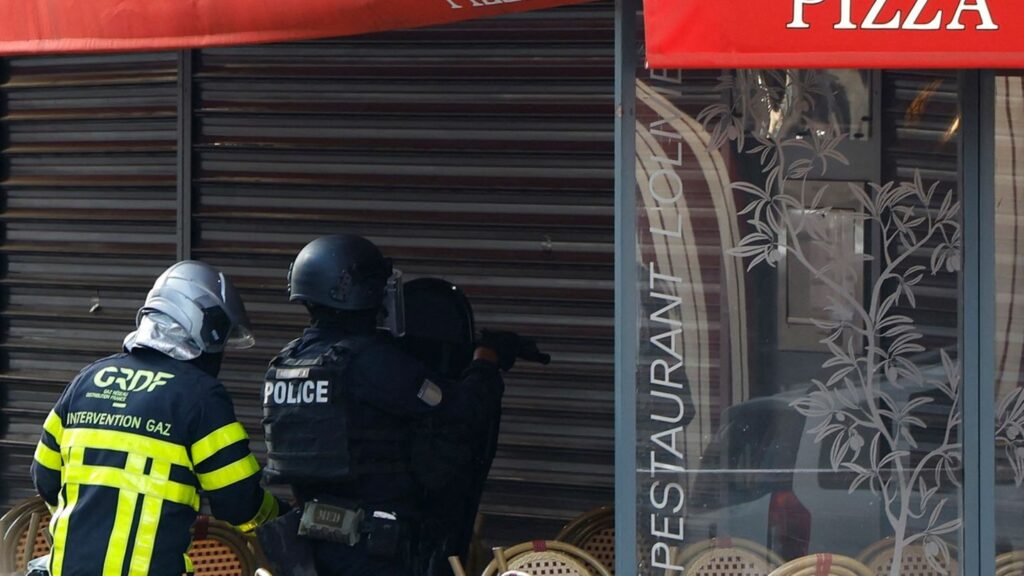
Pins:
x: 1009, y: 336
x: 799, y: 381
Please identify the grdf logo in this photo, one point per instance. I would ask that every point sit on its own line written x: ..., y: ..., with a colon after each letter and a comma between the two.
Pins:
x: 130, y: 380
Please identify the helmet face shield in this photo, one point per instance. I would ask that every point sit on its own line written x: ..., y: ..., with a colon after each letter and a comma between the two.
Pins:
x: 392, y: 312
x: 203, y: 301
x: 240, y: 338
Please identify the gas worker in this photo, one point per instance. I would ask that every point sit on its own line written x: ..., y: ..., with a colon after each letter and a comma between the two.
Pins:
x: 349, y: 417
x: 136, y: 436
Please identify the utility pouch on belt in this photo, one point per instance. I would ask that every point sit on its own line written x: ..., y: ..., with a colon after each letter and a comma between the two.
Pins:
x: 385, y: 535
x: 382, y: 533
x: 332, y: 523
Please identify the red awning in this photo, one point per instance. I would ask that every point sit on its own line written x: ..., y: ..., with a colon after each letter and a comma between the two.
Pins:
x: 835, y: 33
x: 50, y: 26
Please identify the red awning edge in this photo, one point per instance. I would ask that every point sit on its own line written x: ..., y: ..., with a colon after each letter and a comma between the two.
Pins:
x: 72, y: 26
x: 834, y: 34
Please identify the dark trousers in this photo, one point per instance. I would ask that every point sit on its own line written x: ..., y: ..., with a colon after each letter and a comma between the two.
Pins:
x: 333, y: 559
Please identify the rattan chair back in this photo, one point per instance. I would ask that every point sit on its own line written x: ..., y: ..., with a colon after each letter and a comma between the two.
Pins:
x: 727, y: 557
x: 547, y: 558
x: 1010, y: 563
x: 594, y: 533
x: 914, y: 562
x: 220, y: 550
x: 823, y: 565
x: 28, y: 521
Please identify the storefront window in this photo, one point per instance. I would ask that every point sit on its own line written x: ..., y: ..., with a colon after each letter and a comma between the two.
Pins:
x: 1009, y: 313
x: 798, y: 266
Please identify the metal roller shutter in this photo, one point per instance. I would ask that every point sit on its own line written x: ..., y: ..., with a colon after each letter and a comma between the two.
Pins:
x: 921, y: 133
x: 87, y: 172
x: 480, y: 152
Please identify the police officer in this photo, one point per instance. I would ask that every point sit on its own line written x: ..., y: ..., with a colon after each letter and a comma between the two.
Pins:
x: 135, y: 436
x: 440, y: 332
x: 345, y: 410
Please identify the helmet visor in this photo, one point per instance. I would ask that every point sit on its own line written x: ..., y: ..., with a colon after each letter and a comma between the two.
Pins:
x: 240, y: 338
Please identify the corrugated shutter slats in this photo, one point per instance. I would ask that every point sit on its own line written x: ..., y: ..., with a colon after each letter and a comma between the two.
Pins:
x: 88, y: 183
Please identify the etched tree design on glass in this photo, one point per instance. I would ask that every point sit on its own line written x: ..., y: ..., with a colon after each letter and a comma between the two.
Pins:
x: 863, y: 410
x: 1010, y: 431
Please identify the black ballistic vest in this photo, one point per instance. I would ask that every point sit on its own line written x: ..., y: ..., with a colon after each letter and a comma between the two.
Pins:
x: 308, y: 420
x: 306, y: 416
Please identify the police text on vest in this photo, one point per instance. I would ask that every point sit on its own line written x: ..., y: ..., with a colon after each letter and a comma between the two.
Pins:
x: 297, y: 392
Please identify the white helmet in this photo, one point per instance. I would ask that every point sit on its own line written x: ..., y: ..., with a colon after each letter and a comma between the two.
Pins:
x: 204, y: 302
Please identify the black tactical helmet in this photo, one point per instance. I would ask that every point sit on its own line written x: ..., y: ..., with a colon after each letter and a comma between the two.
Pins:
x: 439, y: 329
x: 345, y: 272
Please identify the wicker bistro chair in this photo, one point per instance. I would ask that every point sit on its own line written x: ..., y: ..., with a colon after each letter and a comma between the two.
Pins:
x: 29, y: 518
x: 879, y: 556
x: 594, y: 533
x: 727, y: 557
x: 823, y: 565
x: 218, y: 549
x: 544, y: 558
x: 1010, y: 563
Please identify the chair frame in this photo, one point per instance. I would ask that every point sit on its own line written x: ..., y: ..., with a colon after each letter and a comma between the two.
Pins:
x: 870, y: 554
x: 582, y: 529
x: 808, y: 566
x: 23, y: 520
x: 1010, y: 563
x: 699, y: 549
x: 239, y: 544
x: 503, y: 556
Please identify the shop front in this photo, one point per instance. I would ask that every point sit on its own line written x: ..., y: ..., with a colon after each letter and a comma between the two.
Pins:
x: 818, y: 208
x: 819, y: 224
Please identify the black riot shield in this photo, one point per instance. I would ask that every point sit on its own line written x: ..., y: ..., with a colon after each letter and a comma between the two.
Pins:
x: 439, y: 330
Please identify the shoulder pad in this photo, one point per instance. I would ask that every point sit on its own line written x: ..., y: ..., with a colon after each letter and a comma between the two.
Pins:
x: 286, y: 352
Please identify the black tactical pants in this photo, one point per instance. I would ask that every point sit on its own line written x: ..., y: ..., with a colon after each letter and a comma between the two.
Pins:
x: 333, y: 559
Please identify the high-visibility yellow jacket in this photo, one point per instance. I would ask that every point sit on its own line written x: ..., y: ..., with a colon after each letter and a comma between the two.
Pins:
x: 123, y: 456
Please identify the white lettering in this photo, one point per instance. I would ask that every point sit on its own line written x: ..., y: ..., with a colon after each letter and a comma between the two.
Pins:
x: 268, y: 389
x: 680, y: 414
x: 665, y: 532
x: 987, y: 23
x: 871, y: 21
x: 480, y: 3
x: 280, y: 392
x: 677, y: 233
x: 664, y: 561
x: 661, y: 315
x: 663, y: 502
x: 321, y: 392
x: 914, y: 18
x: 657, y: 466
x: 846, y: 17
x: 798, y: 13
x: 670, y: 446
x: 308, y: 388
x: 915, y: 15
x: 672, y: 184
x: 666, y: 378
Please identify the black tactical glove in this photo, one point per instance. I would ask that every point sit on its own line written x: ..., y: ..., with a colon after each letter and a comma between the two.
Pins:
x: 504, y: 344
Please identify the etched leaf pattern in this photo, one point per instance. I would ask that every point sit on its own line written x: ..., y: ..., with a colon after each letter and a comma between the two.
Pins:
x: 871, y: 344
